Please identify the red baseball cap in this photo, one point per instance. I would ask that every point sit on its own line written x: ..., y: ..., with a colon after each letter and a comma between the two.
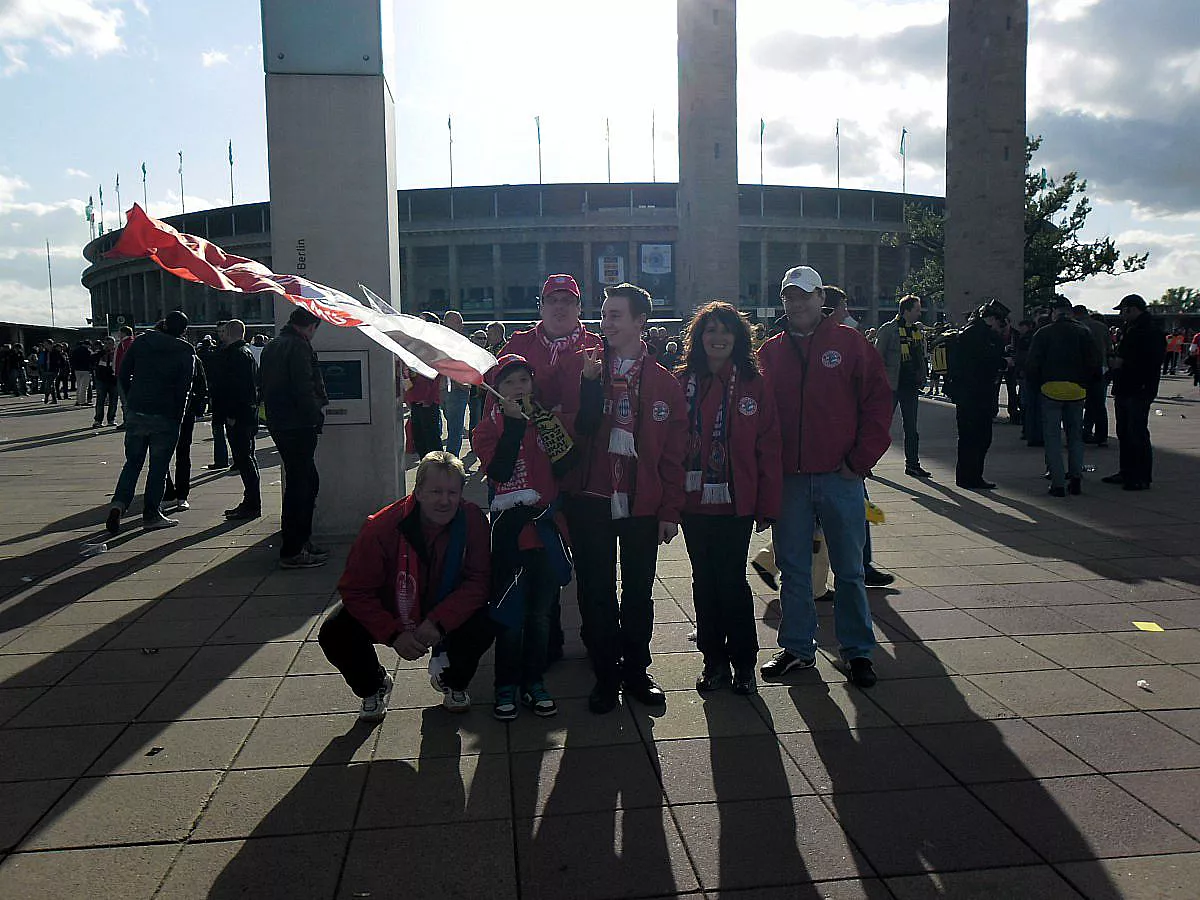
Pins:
x: 505, y: 363
x: 560, y: 283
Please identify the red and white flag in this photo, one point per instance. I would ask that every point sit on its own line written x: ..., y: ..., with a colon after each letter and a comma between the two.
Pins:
x: 425, y: 347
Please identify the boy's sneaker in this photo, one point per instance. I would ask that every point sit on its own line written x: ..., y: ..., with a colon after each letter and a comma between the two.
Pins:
x: 113, y: 523
x: 783, y: 662
x: 537, y: 698
x: 456, y: 701
x: 302, y: 560
x: 375, y: 707
x: 862, y: 673
x: 505, y: 706
x: 744, y: 682
x: 154, y: 523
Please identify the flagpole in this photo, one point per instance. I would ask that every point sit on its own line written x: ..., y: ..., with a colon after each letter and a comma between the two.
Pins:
x: 89, y: 213
x: 231, y: 201
x: 537, y: 120
x: 762, y: 200
x: 145, y: 201
x: 101, y: 209
x: 608, y: 145
x: 653, y: 149
x: 50, y: 281
x: 182, y: 202
x: 450, y: 135
x: 903, y: 162
x: 837, y: 141
x: 118, y: 199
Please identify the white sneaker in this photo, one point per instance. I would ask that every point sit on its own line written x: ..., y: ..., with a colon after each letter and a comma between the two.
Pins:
x: 182, y: 506
x: 157, y: 522
x: 456, y: 701
x: 375, y: 707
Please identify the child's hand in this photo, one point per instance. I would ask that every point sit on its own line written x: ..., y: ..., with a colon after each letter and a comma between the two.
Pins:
x: 512, y: 408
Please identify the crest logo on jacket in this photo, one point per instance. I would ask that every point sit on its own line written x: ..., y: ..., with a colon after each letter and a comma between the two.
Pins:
x: 661, y: 411
x: 747, y: 406
x: 831, y: 359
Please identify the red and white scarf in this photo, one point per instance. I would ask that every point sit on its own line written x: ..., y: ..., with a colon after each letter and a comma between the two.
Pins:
x: 622, y: 411
x: 710, y: 477
x: 558, y: 346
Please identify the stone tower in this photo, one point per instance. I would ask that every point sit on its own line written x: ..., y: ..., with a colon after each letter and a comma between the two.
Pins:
x: 707, y: 252
x: 985, y: 154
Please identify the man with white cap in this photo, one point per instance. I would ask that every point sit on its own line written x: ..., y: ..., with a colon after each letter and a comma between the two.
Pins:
x: 835, y: 412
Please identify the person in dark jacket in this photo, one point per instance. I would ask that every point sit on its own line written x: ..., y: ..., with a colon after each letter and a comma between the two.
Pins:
x: 104, y: 373
x: 156, y: 377
x: 233, y: 392
x: 81, y: 365
x: 976, y: 363
x: 1063, y: 361
x: 294, y: 395
x: 1136, y: 370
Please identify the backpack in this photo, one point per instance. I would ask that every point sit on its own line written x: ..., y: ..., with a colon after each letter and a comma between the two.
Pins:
x: 943, y: 352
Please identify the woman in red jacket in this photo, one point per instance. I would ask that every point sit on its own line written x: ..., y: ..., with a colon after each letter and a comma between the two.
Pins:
x: 733, y: 487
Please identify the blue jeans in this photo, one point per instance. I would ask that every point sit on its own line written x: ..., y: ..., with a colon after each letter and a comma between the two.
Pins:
x: 906, y: 399
x: 1055, y: 415
x: 158, y: 436
x: 521, y: 652
x: 454, y: 407
x: 838, y: 503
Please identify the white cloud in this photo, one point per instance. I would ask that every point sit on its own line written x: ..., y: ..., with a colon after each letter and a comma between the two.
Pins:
x: 64, y: 27
x: 78, y: 173
x: 210, y: 58
x: 29, y: 304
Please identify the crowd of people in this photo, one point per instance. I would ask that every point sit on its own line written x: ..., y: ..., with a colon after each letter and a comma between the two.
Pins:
x: 598, y: 449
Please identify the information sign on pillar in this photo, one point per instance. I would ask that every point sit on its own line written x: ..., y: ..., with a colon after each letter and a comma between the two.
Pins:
x: 331, y: 154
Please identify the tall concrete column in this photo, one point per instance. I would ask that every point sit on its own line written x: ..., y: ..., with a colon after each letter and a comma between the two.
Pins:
x: 589, y: 278
x: 765, y: 294
x: 497, y: 278
x: 331, y: 150
x: 452, y: 299
x: 985, y: 154
x: 707, y: 252
x: 841, y: 266
x: 542, y: 273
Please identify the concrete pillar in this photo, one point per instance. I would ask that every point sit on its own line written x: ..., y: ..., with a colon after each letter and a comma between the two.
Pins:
x: 633, y: 268
x: 874, y: 277
x: 766, y: 297
x: 804, y: 253
x: 841, y: 266
x: 497, y: 278
x: 330, y: 109
x: 542, y: 257
x: 452, y: 298
x: 707, y: 250
x: 985, y: 154
x: 589, y: 279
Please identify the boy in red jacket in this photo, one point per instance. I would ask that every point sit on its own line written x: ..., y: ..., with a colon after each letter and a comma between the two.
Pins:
x: 418, y: 576
x: 835, y: 411
x: 523, y: 449
x: 632, y: 424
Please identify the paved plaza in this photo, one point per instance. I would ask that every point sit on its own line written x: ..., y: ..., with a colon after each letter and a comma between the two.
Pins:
x: 170, y: 728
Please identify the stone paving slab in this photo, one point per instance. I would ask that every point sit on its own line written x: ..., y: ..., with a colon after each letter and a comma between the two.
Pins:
x: 170, y: 728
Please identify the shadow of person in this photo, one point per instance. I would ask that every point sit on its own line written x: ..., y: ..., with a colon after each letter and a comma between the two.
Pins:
x: 921, y: 771
x: 589, y: 810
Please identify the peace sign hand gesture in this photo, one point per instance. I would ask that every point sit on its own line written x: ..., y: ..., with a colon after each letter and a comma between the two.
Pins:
x: 593, y: 363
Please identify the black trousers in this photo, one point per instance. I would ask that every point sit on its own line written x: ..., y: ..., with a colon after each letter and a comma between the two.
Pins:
x: 1133, y: 433
x: 181, y: 485
x: 220, y: 447
x: 725, y: 629
x: 241, y: 447
x: 974, y: 416
x: 426, y: 428
x: 616, y: 634
x: 1095, y: 410
x: 297, y: 452
x: 350, y: 648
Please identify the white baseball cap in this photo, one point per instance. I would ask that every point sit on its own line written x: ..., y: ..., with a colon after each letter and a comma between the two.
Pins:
x: 804, y: 277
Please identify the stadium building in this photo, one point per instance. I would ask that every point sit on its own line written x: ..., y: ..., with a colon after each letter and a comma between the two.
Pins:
x: 487, y: 250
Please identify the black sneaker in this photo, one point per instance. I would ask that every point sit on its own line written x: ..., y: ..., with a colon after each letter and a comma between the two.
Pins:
x: 1075, y: 486
x: 876, y: 578
x: 916, y: 471
x: 215, y: 466
x: 827, y: 597
x: 246, y: 512
x: 1115, y: 478
x: 713, y: 678
x: 783, y: 662
x: 744, y: 682
x: 768, y: 579
x: 1057, y: 491
x: 862, y: 673
x: 603, y: 698
x: 644, y: 690
x: 113, y: 523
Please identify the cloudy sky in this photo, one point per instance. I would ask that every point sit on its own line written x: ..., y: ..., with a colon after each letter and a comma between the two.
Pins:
x: 89, y: 89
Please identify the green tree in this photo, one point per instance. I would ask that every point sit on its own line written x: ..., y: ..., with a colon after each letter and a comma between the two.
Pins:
x: 1184, y: 299
x: 1055, y: 254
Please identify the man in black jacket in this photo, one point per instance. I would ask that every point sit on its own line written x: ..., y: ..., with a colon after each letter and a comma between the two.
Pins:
x: 294, y: 395
x: 233, y: 393
x: 1064, y: 360
x: 1136, y: 370
x: 976, y: 361
x: 156, y: 377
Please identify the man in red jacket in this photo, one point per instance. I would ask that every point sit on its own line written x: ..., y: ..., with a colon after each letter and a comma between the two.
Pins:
x: 632, y: 428
x: 835, y: 411
x: 418, y: 577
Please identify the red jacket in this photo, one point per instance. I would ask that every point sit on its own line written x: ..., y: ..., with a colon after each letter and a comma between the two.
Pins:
x: 834, y: 402
x: 661, y: 433
x: 425, y: 391
x: 368, y: 584
x: 122, y: 349
x: 546, y: 389
x: 532, y: 471
x: 754, y: 443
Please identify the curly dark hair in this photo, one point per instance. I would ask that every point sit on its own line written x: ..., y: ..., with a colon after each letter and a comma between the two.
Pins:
x: 695, y: 360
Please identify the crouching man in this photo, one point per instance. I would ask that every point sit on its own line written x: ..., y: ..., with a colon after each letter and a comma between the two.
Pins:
x: 417, y: 579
